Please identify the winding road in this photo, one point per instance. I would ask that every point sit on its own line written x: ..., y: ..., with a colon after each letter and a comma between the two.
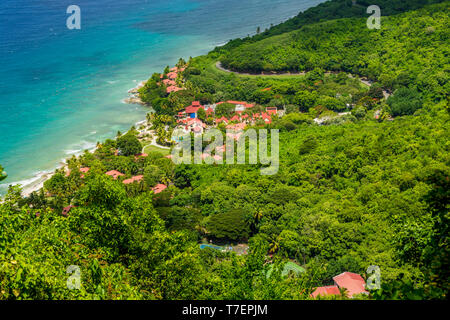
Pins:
x: 364, y: 81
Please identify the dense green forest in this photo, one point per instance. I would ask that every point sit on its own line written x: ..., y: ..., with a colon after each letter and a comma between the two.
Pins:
x: 358, y: 190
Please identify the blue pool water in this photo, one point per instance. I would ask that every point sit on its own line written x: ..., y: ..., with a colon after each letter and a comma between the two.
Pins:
x: 61, y: 89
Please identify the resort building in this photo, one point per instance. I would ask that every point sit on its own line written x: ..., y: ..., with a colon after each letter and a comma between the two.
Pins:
x: 133, y: 179
x: 192, y: 110
x: 159, y: 188
x: 271, y: 110
x: 115, y: 174
x: 172, y: 75
x: 352, y: 282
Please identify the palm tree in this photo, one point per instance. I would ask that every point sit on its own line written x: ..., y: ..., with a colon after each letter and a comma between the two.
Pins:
x: 258, y: 215
x: 274, y: 246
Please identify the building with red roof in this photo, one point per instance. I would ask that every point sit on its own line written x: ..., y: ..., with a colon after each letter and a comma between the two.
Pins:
x: 266, y: 117
x: 326, y: 291
x: 353, y: 282
x: 159, y: 188
x: 169, y: 82
x: 193, y: 109
x: 66, y: 210
x: 173, y: 89
x: 271, y: 110
x: 115, y: 174
x: 133, y: 179
x: 209, y: 111
x: 237, y: 102
x: 172, y: 75
x: 235, y: 118
x: 223, y: 119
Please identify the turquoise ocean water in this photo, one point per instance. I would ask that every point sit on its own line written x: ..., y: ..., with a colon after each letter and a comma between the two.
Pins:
x: 61, y: 89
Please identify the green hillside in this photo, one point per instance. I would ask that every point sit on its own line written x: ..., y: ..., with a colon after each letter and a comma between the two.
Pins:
x: 369, y: 186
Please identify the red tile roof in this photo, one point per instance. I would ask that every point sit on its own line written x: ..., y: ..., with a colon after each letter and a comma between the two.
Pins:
x: 173, y: 89
x: 159, y: 188
x: 353, y: 282
x: 271, y: 110
x: 235, y: 118
x: 66, y: 210
x: 169, y: 82
x: 114, y: 173
x: 192, y: 109
x: 133, y: 179
x: 223, y: 119
x: 324, y: 291
x: 237, y: 102
x: 172, y: 75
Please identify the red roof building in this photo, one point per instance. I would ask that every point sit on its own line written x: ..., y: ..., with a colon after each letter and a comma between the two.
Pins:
x: 173, y: 89
x: 66, y: 210
x: 223, y: 119
x: 235, y: 118
x: 209, y: 111
x: 271, y: 110
x: 192, y: 109
x: 237, y: 102
x: 114, y: 173
x: 159, y: 188
x: 353, y: 282
x: 133, y: 179
x: 172, y: 75
x: 325, y: 291
x: 169, y: 82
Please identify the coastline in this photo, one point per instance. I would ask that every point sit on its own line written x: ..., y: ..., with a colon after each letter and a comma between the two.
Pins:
x: 36, y: 183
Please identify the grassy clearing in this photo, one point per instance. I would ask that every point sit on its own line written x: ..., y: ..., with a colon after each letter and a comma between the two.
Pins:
x: 151, y: 148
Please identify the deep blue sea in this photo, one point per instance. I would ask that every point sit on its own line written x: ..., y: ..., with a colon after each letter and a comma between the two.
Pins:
x: 61, y: 89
